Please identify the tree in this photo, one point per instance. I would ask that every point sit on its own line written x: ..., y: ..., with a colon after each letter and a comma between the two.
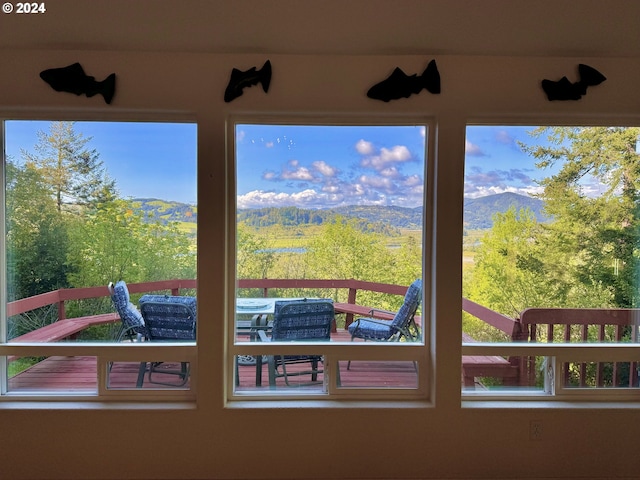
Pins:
x: 36, y: 236
x: 254, y: 259
x: 74, y: 173
x: 114, y: 242
x: 509, y: 274
x: 342, y: 251
x: 595, y: 233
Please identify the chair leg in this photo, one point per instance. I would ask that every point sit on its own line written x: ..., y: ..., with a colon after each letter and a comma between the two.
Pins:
x: 272, y: 371
x: 141, y: 371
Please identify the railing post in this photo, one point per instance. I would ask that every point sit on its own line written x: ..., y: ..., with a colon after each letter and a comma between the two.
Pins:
x: 61, y: 310
x: 175, y: 291
x: 351, y: 299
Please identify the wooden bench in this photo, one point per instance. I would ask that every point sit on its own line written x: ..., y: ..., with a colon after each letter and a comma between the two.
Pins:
x: 67, y: 328
x: 488, y: 366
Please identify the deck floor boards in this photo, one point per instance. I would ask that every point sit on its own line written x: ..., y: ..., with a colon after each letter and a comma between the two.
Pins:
x: 59, y: 374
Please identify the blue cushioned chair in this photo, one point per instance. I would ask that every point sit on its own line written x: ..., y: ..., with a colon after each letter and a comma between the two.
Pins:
x: 306, y: 320
x: 402, y: 325
x: 132, y: 324
x: 168, y: 318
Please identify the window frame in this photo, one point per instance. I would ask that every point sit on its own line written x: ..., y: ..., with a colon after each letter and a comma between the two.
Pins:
x: 104, y: 353
x: 554, y: 393
x: 333, y: 352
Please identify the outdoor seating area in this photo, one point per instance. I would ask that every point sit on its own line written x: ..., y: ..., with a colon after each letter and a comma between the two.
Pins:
x: 172, y: 316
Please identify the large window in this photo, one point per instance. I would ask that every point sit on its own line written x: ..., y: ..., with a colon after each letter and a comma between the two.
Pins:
x: 330, y: 228
x: 551, y: 236
x: 86, y: 205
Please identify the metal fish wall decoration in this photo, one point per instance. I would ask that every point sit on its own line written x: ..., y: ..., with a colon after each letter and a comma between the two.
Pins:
x: 240, y: 80
x: 563, y: 89
x: 72, y: 79
x: 400, y: 85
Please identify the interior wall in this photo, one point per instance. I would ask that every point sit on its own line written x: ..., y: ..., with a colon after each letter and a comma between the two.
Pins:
x: 443, y: 440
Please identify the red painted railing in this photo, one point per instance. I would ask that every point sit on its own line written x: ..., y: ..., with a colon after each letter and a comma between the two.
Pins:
x: 515, y: 329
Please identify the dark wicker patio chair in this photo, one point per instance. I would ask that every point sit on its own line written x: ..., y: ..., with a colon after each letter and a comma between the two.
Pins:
x: 298, y: 321
x: 170, y: 319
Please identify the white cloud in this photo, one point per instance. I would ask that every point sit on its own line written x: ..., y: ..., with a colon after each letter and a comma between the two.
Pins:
x: 472, y: 149
x: 308, y: 198
x: 324, y: 168
x: 504, y: 137
x: 399, y: 153
x: 300, y: 174
x: 364, y: 148
x: 390, y: 172
x: 476, y: 192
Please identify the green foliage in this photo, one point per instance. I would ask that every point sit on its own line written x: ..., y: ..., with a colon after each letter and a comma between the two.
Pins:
x: 508, y: 275
x: 595, y: 233
x: 36, y: 236
x: 254, y: 259
x: 114, y: 242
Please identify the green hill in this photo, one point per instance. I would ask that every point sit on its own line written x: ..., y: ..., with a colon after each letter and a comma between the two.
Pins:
x: 166, y: 211
x: 478, y: 212
x: 387, y: 220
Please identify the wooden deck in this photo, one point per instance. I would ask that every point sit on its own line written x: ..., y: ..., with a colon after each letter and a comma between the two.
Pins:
x: 79, y: 374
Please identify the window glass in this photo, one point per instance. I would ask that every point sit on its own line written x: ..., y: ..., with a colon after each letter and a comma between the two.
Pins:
x: 327, y: 215
x: 550, y: 249
x: 88, y: 204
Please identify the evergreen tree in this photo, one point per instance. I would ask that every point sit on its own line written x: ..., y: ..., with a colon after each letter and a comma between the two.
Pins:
x: 595, y: 233
x: 74, y: 173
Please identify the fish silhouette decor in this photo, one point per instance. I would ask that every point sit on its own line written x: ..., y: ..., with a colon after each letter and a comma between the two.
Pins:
x: 72, y: 79
x: 400, y: 85
x: 240, y: 80
x: 563, y: 89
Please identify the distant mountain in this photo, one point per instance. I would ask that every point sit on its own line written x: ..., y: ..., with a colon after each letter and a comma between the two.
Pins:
x: 478, y: 212
x: 166, y: 211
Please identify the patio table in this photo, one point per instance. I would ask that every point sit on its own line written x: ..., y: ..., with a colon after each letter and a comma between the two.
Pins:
x: 260, y: 309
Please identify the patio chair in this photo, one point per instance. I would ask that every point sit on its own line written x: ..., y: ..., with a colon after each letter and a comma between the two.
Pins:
x: 306, y: 320
x: 168, y: 318
x: 402, y: 325
x: 132, y: 324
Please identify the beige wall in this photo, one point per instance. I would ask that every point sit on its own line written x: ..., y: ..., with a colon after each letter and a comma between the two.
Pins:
x: 444, y: 440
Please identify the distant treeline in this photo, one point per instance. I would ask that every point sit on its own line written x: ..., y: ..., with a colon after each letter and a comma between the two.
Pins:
x: 293, y: 216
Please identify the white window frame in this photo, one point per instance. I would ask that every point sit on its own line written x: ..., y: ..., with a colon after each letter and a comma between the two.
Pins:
x: 554, y: 392
x: 333, y: 352
x: 104, y: 353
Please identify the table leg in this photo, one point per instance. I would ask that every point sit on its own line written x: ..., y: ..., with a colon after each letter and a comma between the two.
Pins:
x: 258, y: 370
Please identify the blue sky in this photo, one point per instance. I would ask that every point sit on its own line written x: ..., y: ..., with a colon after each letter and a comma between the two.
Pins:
x: 147, y: 160
x: 303, y: 166
x: 328, y: 166
x: 495, y: 163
